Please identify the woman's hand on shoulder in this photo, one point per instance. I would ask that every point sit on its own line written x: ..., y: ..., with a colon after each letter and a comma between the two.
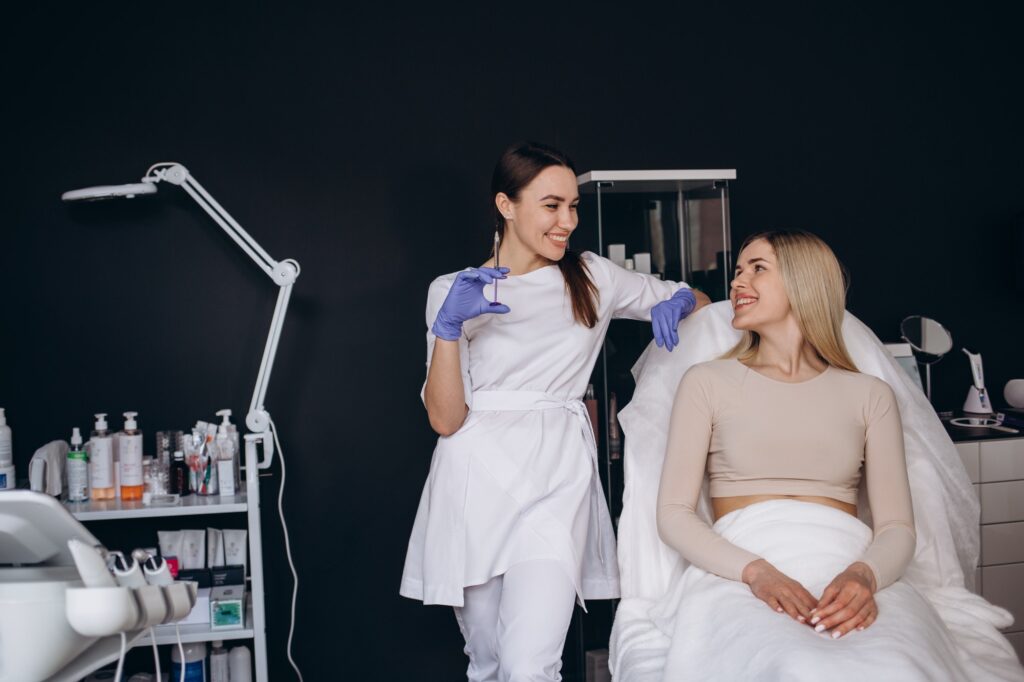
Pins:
x: 666, y: 316
x: 848, y: 603
x: 702, y: 300
x: 778, y: 590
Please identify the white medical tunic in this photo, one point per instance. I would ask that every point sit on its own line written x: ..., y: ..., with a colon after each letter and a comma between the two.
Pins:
x: 518, y: 481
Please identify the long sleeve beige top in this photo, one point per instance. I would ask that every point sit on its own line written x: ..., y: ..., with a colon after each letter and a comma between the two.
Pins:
x: 759, y: 436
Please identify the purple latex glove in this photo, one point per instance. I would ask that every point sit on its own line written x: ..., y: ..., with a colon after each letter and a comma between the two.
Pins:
x: 465, y: 301
x: 666, y: 316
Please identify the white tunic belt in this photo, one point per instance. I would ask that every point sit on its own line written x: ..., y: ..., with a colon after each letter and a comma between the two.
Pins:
x: 494, y: 499
x: 517, y: 401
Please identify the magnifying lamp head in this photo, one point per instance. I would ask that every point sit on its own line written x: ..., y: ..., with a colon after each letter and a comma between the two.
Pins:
x: 109, y: 192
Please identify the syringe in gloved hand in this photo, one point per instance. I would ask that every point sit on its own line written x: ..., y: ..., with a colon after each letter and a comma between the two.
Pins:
x: 497, y: 243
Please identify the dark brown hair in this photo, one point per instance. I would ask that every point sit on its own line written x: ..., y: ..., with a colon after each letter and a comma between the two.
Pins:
x: 516, y: 169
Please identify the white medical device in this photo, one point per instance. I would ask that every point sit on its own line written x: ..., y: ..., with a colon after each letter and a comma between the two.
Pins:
x: 977, y: 397
x: 62, y: 612
x: 283, y: 273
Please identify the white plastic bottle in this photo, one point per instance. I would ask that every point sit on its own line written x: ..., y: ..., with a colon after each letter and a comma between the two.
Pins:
x: 225, y: 416
x: 195, y: 662
x: 6, y: 454
x: 227, y: 457
x: 219, y: 666
x: 77, y: 469
x: 101, y: 460
x: 130, y: 449
x: 241, y: 664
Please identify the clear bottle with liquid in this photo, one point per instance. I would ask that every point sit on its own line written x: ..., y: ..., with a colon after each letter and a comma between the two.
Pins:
x: 77, y: 469
x: 130, y: 450
x: 101, y: 460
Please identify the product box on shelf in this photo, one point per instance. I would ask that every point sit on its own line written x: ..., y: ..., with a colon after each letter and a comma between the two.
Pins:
x: 227, y: 575
x: 227, y: 607
x: 201, y: 576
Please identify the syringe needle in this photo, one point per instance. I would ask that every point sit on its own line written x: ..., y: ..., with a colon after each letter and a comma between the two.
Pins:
x: 497, y: 240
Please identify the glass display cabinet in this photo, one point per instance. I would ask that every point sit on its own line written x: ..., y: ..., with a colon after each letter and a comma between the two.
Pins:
x: 673, y: 224
x: 678, y: 218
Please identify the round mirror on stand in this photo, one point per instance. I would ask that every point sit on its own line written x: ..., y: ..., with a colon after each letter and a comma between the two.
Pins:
x: 929, y: 341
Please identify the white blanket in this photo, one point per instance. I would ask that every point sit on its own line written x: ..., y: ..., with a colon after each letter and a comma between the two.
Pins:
x: 719, y: 630
x: 946, y: 511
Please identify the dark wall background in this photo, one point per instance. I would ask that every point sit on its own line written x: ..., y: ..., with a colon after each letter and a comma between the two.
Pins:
x: 360, y: 142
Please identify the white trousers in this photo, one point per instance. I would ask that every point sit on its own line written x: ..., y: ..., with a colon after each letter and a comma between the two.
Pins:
x: 515, y: 624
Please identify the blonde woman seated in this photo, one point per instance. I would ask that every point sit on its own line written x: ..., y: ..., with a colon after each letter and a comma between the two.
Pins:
x: 789, y: 584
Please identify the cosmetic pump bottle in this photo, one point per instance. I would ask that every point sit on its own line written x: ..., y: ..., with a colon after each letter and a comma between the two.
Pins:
x: 101, y: 460
x: 219, y: 666
x: 130, y: 450
x: 225, y: 416
x: 77, y: 469
x: 227, y: 462
x: 6, y: 454
x: 178, y: 484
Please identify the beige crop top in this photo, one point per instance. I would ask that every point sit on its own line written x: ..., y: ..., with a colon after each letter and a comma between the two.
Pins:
x: 760, y: 436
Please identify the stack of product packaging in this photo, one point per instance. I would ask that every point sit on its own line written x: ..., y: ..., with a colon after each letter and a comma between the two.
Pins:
x: 216, y: 560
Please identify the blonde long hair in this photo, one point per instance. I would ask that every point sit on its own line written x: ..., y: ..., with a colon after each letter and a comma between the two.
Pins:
x: 816, y: 286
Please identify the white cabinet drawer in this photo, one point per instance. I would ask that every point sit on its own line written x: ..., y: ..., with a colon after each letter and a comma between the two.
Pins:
x: 1004, y: 586
x: 1001, y: 460
x: 1002, y: 543
x: 1002, y: 502
x: 969, y: 455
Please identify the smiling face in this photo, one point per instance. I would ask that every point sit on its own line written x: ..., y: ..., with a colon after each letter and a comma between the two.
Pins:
x: 758, y: 294
x: 540, y: 220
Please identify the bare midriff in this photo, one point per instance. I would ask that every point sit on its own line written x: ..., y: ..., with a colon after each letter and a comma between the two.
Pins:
x: 723, y: 505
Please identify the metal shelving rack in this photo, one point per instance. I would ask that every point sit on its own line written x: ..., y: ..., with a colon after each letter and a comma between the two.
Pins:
x: 247, y: 501
x: 682, y: 219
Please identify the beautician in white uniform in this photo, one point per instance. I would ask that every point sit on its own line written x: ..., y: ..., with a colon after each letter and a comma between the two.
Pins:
x: 512, y: 526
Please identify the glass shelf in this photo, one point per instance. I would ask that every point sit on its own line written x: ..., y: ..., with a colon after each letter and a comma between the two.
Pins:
x: 190, y: 505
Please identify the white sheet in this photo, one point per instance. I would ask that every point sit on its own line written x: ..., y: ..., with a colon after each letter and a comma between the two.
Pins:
x: 945, y: 507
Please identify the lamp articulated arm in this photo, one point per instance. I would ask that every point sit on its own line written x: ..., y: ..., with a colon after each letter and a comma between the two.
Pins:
x: 283, y: 273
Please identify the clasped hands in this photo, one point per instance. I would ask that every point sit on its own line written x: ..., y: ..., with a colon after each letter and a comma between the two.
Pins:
x: 847, y: 604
